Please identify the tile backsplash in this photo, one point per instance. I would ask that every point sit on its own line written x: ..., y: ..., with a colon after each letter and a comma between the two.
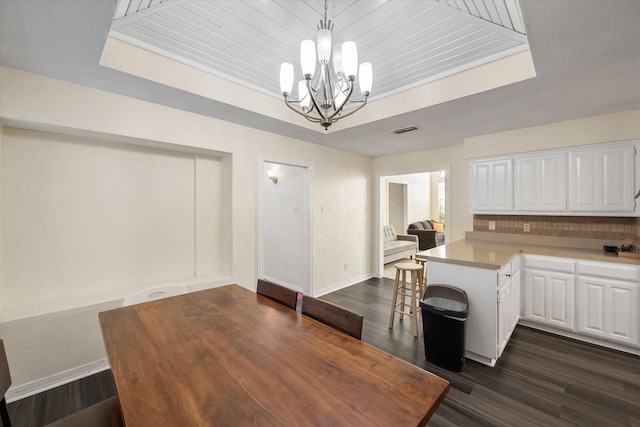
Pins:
x: 616, y: 229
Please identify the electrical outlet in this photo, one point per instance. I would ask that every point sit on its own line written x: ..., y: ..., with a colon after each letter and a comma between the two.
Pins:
x: 492, y: 225
x: 526, y: 227
x: 345, y: 266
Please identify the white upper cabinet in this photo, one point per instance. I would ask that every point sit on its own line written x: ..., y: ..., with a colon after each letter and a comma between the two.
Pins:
x: 602, y: 179
x: 492, y: 185
x: 595, y: 180
x: 540, y: 182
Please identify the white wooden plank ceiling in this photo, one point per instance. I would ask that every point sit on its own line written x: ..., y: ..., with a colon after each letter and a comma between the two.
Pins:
x: 408, y: 43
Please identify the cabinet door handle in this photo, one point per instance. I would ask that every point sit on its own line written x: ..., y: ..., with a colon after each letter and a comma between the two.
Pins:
x: 508, y: 275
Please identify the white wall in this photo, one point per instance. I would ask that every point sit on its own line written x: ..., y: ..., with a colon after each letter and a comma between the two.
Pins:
x: 419, y: 197
x: 341, y: 182
x: 620, y: 126
x: 451, y: 158
x: 341, y: 221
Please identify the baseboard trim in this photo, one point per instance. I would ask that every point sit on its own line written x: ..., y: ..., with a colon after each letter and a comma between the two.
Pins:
x: 343, y: 285
x: 38, y: 386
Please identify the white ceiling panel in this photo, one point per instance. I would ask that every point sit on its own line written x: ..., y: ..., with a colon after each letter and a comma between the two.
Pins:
x: 408, y: 43
x: 505, y: 13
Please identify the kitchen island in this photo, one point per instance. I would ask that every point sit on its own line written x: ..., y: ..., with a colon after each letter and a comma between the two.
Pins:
x: 581, y: 293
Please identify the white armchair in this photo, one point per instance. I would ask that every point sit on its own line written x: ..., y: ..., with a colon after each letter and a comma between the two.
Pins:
x: 398, y: 246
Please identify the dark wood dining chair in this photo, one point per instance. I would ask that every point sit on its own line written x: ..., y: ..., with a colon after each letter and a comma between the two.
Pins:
x: 333, y: 315
x: 285, y: 296
x: 102, y: 414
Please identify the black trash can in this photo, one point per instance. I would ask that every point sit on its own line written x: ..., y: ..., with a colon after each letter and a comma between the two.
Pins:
x: 444, y: 316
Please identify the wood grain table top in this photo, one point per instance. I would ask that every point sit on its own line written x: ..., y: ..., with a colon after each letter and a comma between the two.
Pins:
x: 229, y: 357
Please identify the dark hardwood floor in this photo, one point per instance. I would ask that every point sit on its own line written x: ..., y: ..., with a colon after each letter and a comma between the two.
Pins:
x: 541, y: 379
x: 47, y: 407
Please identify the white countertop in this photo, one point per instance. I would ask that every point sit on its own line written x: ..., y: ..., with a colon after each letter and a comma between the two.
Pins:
x: 495, y: 255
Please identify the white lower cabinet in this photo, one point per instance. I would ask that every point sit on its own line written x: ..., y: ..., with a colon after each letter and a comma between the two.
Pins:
x: 549, y: 295
x: 594, y: 301
x: 608, y: 307
x: 508, y: 302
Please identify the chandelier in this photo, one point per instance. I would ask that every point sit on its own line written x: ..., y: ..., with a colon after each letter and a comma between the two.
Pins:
x: 323, y: 96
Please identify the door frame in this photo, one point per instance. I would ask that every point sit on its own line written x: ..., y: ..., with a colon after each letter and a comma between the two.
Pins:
x: 378, y: 259
x: 263, y: 180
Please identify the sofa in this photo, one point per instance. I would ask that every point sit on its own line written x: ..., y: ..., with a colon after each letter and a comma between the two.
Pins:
x: 430, y: 233
x: 398, y: 246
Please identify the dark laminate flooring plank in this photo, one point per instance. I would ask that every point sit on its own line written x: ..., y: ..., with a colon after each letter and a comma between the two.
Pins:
x: 96, y: 389
x: 521, y: 390
x: 542, y: 379
x: 580, y: 409
x: 22, y: 412
x: 457, y: 413
x: 564, y: 372
x: 501, y: 409
x: 613, y: 367
x: 61, y: 405
x: 44, y: 408
x: 613, y: 363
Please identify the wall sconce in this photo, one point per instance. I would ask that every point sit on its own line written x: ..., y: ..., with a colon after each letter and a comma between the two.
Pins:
x: 272, y: 176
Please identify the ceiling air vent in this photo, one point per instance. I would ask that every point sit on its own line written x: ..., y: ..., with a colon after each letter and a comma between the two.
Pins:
x: 403, y: 130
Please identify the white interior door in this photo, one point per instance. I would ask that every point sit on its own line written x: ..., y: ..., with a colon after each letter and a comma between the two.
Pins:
x: 398, y: 207
x: 285, y: 225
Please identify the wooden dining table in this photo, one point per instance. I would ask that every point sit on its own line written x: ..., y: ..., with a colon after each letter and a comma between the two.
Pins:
x: 230, y: 357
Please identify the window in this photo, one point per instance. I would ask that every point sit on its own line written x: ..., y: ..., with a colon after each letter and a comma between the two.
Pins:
x: 441, y: 191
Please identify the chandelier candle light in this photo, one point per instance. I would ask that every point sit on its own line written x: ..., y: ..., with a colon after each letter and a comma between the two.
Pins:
x: 322, y: 99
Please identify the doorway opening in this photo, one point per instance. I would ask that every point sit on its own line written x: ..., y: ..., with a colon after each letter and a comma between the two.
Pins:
x: 409, y: 197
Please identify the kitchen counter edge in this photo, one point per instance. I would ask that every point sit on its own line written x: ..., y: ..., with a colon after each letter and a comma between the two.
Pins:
x: 496, y: 255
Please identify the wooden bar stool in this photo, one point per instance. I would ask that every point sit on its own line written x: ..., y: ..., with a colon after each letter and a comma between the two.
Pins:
x: 423, y: 284
x: 403, y: 290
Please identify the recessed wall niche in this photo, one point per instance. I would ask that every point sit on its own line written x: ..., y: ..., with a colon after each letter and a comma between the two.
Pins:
x: 89, y: 220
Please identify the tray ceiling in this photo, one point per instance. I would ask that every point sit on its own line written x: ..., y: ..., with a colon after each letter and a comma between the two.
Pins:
x: 409, y: 43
